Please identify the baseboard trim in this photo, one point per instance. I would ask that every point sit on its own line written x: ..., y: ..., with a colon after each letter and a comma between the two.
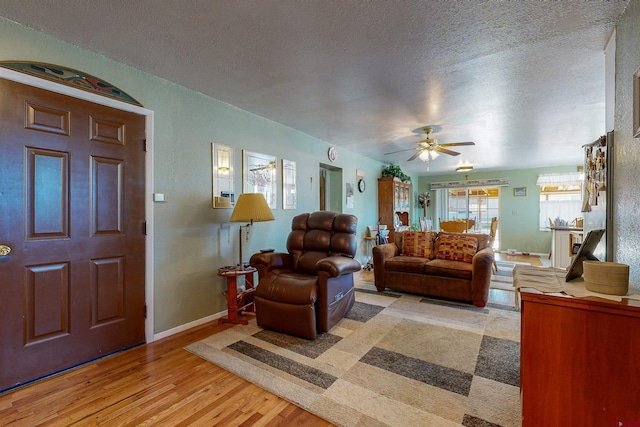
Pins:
x: 182, y: 328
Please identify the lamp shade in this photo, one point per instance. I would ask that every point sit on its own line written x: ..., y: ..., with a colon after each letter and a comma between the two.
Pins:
x: 251, y: 207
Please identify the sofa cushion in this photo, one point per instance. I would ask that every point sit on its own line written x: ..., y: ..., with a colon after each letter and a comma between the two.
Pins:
x: 483, y: 239
x: 456, y: 247
x: 418, y: 243
x: 446, y: 268
x: 406, y: 264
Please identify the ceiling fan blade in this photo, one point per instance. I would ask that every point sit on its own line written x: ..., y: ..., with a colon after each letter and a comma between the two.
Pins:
x: 445, y: 151
x: 401, y: 151
x: 414, y: 156
x: 453, y: 144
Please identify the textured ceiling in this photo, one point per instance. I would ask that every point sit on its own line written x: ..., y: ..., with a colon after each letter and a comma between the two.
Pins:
x: 524, y: 80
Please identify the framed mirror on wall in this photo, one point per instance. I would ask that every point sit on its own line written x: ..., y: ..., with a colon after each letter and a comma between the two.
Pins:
x: 222, y: 172
x: 259, y: 176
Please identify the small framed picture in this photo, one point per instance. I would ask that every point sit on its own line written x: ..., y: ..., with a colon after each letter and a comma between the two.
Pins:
x: 519, y: 191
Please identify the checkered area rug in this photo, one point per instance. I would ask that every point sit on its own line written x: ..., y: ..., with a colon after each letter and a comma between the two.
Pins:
x: 505, y: 268
x: 395, y: 360
x: 503, y: 278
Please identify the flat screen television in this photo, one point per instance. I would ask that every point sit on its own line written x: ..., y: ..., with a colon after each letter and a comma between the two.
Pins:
x: 584, y: 253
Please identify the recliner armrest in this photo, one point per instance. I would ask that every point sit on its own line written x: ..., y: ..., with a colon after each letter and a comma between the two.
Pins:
x: 338, y: 265
x: 265, y: 262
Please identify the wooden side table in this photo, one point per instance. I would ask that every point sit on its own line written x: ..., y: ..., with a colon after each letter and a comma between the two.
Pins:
x: 236, y: 303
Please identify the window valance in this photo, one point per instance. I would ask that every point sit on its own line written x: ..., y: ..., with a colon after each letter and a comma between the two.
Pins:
x: 471, y: 183
x: 560, y: 179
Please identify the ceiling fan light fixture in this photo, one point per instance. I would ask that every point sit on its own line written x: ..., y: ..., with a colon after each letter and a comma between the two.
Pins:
x: 464, y: 168
x: 427, y: 155
x: 429, y: 148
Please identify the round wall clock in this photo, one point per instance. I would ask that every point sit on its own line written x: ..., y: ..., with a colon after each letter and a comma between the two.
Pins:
x: 361, y: 186
x: 333, y: 154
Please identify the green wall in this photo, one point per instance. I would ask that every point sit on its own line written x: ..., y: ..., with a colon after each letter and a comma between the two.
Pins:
x: 191, y: 240
x: 519, y: 216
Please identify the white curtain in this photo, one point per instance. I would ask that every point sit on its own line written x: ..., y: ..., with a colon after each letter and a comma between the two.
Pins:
x: 567, y: 206
x: 442, y: 206
x: 566, y: 210
x: 560, y: 179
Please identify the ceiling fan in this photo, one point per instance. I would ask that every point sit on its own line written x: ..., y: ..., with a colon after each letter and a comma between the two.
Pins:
x: 429, y: 148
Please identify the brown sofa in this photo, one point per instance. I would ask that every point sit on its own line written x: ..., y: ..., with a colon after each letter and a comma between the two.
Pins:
x: 447, y: 265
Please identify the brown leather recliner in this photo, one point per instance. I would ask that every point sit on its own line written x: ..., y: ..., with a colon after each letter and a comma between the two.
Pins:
x: 310, y: 288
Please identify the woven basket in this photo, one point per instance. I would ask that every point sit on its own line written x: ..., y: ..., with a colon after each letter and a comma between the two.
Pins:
x: 608, y: 278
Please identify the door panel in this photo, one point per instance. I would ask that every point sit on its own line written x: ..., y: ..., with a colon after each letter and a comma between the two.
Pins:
x: 72, y: 210
x: 107, y: 291
x: 47, y: 302
x: 47, y: 198
x: 106, y: 196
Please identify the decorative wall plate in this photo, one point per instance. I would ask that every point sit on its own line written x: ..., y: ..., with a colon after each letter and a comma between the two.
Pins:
x: 70, y: 77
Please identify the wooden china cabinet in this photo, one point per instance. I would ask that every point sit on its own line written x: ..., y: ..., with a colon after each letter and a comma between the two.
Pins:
x: 394, y: 198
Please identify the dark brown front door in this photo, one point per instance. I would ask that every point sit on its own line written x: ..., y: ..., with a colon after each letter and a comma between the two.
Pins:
x: 72, y: 212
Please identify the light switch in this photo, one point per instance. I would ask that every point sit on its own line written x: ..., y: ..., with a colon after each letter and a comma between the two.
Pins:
x: 514, y: 212
x: 159, y: 197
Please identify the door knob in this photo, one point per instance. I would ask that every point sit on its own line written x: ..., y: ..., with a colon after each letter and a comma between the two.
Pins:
x: 4, y: 250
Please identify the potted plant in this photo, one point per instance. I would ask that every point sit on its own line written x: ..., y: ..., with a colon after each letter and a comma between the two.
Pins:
x: 394, y: 171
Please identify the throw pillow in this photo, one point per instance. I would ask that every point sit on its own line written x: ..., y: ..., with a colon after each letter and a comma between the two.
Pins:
x: 418, y: 243
x: 457, y: 247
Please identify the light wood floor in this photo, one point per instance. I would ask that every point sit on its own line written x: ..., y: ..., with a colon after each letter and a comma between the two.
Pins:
x: 531, y: 259
x: 162, y: 384
x: 155, y: 384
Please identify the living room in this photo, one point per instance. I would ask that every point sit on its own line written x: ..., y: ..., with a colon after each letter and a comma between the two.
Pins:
x: 190, y: 240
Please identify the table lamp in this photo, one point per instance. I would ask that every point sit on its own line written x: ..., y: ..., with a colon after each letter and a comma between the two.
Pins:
x: 250, y: 208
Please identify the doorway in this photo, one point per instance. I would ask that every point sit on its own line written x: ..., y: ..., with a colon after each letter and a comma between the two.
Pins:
x: 74, y: 282
x: 330, y: 194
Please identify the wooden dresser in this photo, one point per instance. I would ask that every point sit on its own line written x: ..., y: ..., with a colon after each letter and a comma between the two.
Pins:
x: 579, y: 361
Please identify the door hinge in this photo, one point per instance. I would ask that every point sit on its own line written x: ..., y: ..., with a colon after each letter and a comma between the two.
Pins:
x: 145, y: 311
x: 144, y: 145
x: 144, y: 228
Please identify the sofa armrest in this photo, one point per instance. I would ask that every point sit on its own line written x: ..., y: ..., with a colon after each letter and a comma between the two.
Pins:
x: 265, y: 262
x: 338, y: 265
x: 482, y: 270
x: 380, y: 254
x: 385, y: 251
